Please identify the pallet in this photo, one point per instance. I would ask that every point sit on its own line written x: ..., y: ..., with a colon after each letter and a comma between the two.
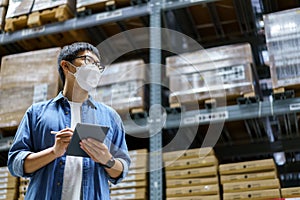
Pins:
x: 17, y: 23
x: 105, y: 5
x: 58, y: 14
x: 211, y: 103
x: 286, y: 92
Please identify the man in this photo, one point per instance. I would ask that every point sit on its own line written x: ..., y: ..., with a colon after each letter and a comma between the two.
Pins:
x: 40, y: 155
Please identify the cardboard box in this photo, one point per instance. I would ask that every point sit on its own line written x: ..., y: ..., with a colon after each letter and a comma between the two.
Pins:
x: 251, y: 185
x: 133, y: 184
x: 253, y: 195
x: 133, y: 196
x: 248, y: 177
x: 137, y: 171
x: 189, y: 153
x: 282, y: 41
x: 208, y: 56
x: 127, y: 191
x: 19, y: 7
x: 205, y: 197
x: 138, y: 152
x: 209, y: 73
x: 192, y: 173
x: 191, y: 182
x: 193, y: 190
x: 26, y: 78
x: 290, y: 192
x: 248, y: 166
x: 87, y: 3
x: 233, y: 79
x: 191, y: 163
x: 140, y: 163
x: 128, y: 90
x: 135, y: 177
x: 48, y: 4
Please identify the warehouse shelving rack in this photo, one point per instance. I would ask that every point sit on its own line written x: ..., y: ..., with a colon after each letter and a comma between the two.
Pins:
x: 243, y: 111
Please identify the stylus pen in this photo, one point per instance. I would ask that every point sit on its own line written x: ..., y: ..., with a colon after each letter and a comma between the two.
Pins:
x: 54, y: 132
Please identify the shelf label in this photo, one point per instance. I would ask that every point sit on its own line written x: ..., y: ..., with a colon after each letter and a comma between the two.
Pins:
x: 295, y: 106
x: 33, y: 30
x: 108, y: 15
x: 216, y: 116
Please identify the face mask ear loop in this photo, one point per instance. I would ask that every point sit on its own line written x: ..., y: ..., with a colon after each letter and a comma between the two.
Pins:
x: 74, y: 67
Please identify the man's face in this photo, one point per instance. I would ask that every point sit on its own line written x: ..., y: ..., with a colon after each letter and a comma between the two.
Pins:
x: 84, y: 58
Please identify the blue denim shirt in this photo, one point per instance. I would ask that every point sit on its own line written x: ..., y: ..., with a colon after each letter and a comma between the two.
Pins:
x: 33, y: 135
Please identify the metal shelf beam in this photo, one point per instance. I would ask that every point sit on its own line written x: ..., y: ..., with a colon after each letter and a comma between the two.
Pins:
x: 233, y: 113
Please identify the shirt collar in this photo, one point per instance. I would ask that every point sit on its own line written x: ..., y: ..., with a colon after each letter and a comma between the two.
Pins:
x: 90, y: 101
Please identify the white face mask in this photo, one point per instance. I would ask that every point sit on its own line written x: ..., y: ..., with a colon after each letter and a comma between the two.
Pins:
x: 87, y: 76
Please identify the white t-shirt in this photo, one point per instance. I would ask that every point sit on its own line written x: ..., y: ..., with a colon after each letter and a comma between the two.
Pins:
x: 73, y: 168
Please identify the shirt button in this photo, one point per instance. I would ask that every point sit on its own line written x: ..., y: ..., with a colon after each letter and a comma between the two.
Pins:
x: 60, y: 163
x: 66, y: 112
x: 58, y: 184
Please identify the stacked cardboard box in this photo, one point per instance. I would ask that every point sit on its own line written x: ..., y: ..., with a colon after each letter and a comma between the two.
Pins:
x: 26, y: 78
x: 46, y: 4
x: 19, y: 7
x: 251, y: 179
x: 282, y: 37
x: 191, y: 173
x: 209, y: 73
x: 24, y: 182
x: 3, y: 9
x: 122, y: 86
x: 8, y: 185
x: 290, y: 193
x: 134, y: 186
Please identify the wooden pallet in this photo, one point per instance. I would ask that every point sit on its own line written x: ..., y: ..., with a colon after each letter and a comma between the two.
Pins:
x: 57, y: 14
x: 101, y: 6
x: 211, y: 102
x: 16, y: 23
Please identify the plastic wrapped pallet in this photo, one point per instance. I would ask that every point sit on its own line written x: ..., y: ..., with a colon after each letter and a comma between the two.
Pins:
x: 207, y: 73
x: 26, y: 78
x: 122, y: 86
x: 47, y: 4
x: 282, y: 37
x: 19, y: 7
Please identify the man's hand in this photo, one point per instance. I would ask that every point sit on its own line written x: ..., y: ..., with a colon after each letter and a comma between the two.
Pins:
x: 97, y: 150
x: 62, y: 140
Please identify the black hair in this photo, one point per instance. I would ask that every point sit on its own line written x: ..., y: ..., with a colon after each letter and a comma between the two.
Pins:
x: 69, y: 53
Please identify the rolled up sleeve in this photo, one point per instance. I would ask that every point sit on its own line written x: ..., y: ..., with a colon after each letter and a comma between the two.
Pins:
x: 20, y: 148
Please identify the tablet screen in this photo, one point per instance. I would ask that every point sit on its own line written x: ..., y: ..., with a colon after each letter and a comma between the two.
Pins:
x: 83, y: 131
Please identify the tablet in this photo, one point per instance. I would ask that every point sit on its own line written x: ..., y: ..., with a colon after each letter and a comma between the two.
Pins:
x: 83, y: 131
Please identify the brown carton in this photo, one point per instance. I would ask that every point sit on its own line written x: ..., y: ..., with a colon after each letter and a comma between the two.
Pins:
x: 189, y: 153
x: 251, y: 185
x: 191, y: 182
x: 19, y: 7
x: 248, y: 177
x: 192, y: 173
x: 253, y: 195
x: 191, y: 163
x: 193, y: 190
x: 290, y: 192
x: 26, y: 78
x: 248, y: 166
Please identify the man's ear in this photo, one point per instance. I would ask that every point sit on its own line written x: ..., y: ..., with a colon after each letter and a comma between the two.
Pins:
x: 64, y: 65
